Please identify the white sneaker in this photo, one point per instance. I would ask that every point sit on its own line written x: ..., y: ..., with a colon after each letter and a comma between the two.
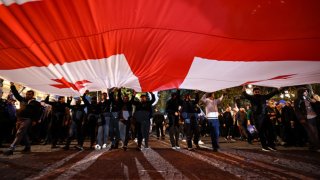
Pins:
x: 174, y: 148
x: 177, y: 147
x: 200, y: 142
x: 135, y: 140
x: 97, y: 147
x: 183, y: 140
x: 265, y: 149
x: 104, y: 146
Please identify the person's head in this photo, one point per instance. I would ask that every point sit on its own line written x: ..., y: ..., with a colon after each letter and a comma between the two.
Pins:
x: 302, y: 92
x: 29, y: 94
x: 173, y: 95
x: 211, y: 95
x: 228, y: 109
x: 78, y: 101
x: 187, y: 97
x: 61, y: 99
x: 104, y: 96
x: 94, y: 100
x: 256, y: 91
x: 288, y: 103
x: 125, y: 98
x: 143, y: 98
x: 271, y: 103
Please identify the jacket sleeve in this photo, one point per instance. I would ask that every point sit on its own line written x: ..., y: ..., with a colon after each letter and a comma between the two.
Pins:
x: 47, y: 101
x: 85, y: 100
x: 16, y: 93
x: 298, y: 112
x: 271, y: 94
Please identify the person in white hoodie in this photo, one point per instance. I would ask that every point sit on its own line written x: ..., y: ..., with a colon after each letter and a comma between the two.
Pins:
x: 211, y: 105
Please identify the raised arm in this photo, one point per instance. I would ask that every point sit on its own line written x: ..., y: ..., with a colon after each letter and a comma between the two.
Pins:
x: 245, y: 94
x: 85, y: 100
x: 15, y: 92
x: 47, y: 100
x: 203, y: 98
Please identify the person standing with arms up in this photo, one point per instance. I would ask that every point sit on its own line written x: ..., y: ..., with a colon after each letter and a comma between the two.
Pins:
x: 211, y: 105
x: 143, y: 115
x: 30, y: 110
x: 259, y: 113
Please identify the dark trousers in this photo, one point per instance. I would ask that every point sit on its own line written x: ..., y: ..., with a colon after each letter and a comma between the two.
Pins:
x: 192, y: 131
x: 265, y: 130
x: 311, y: 128
x: 91, y: 127
x: 159, y: 129
x: 75, y: 131
x: 56, y: 127
x: 128, y: 126
x: 173, y: 129
x: 142, y: 127
x: 114, y: 129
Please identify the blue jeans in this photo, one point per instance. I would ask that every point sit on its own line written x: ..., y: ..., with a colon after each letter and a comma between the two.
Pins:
x: 103, y: 131
x: 214, y: 132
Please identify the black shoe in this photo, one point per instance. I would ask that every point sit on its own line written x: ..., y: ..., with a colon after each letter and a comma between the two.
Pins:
x: 26, y: 150
x: 125, y: 148
x: 8, y: 152
x: 215, y: 150
x: 138, y: 148
x: 65, y: 147
x: 197, y: 146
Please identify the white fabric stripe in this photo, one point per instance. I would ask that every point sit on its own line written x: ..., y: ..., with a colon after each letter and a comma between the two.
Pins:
x: 143, y: 174
x: 9, y: 2
x: 53, y: 167
x: 211, y: 75
x: 104, y: 73
x: 83, y: 164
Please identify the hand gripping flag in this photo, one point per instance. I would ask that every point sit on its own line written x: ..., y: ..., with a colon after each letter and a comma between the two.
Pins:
x: 67, y: 46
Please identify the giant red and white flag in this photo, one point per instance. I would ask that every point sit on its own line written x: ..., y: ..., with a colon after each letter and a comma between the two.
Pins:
x: 67, y: 46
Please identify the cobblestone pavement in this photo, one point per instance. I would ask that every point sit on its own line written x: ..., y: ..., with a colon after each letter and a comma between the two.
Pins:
x: 234, y: 160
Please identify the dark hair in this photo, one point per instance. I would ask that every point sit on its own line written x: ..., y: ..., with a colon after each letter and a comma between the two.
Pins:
x: 60, y: 97
x: 300, y: 92
x: 31, y: 91
x: 256, y: 89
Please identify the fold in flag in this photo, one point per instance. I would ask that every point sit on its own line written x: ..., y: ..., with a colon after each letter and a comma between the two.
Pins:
x: 66, y: 47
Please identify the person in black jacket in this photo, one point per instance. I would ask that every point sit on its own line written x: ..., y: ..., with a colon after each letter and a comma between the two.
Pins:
x: 125, y: 120
x: 104, y: 128
x: 306, y: 111
x: 78, y: 115
x: 116, y: 105
x: 93, y: 118
x: 57, y: 118
x: 30, y: 110
x: 172, y: 109
x: 189, y: 113
x: 142, y: 114
x: 259, y: 113
x: 158, y: 119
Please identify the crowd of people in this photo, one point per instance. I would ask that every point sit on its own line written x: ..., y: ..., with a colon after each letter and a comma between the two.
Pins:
x: 117, y: 117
